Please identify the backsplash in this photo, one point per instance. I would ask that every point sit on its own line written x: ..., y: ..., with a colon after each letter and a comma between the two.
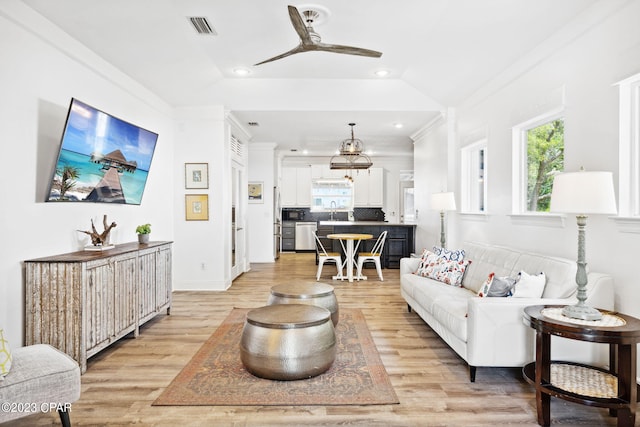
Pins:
x: 359, y: 214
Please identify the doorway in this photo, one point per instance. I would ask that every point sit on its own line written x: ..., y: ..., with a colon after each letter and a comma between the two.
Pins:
x: 238, y: 220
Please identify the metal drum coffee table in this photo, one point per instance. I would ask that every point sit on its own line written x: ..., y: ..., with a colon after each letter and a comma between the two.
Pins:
x: 318, y: 294
x: 288, y: 341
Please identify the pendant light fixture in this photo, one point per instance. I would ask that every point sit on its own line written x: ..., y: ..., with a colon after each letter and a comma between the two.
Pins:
x: 351, y: 154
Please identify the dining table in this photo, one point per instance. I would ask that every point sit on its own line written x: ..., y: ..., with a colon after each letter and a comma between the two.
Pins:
x: 350, y: 243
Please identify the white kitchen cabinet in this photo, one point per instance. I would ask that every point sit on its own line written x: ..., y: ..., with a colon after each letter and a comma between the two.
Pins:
x: 303, y: 187
x: 325, y: 172
x: 369, y: 188
x: 288, y: 187
x: 295, y: 187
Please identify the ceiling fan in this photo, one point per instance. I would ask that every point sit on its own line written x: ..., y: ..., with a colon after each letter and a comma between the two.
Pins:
x: 310, y: 40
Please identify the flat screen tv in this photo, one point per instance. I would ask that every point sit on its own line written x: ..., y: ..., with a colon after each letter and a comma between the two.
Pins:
x: 102, y: 158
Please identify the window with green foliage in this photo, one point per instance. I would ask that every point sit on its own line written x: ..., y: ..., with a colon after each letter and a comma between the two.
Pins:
x: 545, y: 158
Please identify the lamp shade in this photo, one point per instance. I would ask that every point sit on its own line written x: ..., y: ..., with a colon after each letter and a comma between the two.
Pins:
x: 583, y: 192
x: 443, y: 201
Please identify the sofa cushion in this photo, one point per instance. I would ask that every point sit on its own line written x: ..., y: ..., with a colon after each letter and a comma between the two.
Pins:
x: 427, y: 291
x: 451, y: 312
x: 5, y: 356
x: 488, y: 259
x: 560, y: 273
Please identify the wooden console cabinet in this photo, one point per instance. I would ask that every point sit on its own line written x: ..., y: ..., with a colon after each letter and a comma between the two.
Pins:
x: 82, y: 302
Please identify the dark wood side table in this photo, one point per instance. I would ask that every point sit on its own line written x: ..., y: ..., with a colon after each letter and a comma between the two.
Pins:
x: 615, y: 388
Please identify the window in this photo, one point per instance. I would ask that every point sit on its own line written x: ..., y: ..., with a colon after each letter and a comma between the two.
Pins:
x: 328, y: 194
x: 538, y: 156
x: 474, y: 177
x: 629, y: 184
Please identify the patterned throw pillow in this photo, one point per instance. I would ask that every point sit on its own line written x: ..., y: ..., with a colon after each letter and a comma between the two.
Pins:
x: 529, y: 285
x: 449, y: 272
x: 5, y: 356
x: 496, y: 286
x: 427, y: 259
x: 449, y: 255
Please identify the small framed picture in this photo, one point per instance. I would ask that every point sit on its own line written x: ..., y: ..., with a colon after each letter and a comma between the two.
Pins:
x: 256, y: 193
x: 197, y: 207
x: 196, y: 175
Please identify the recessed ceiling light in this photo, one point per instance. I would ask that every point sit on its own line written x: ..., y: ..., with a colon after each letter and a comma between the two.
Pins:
x: 398, y: 125
x: 305, y: 152
x: 241, y: 71
x: 382, y: 73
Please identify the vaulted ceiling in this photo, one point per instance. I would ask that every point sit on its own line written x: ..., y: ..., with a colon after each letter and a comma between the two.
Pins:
x: 436, y: 54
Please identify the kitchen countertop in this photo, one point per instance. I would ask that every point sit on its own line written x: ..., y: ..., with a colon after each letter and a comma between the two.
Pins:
x: 379, y: 223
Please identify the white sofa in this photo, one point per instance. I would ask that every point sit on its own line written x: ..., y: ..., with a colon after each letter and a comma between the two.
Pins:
x: 490, y: 331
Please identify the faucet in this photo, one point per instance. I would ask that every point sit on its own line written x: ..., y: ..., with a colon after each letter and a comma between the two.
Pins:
x: 333, y: 207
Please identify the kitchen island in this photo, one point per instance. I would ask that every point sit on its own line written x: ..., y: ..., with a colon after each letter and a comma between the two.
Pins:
x: 400, y: 238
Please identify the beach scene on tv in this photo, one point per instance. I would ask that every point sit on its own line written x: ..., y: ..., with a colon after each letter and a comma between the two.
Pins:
x: 102, y: 158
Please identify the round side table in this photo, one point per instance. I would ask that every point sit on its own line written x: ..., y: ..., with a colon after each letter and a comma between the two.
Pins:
x: 615, y: 388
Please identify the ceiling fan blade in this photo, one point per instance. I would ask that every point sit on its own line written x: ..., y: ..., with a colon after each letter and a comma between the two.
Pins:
x: 293, y: 51
x: 348, y: 50
x: 299, y: 26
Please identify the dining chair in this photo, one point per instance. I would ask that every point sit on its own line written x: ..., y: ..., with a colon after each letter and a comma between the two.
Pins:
x: 374, y: 256
x: 324, y: 256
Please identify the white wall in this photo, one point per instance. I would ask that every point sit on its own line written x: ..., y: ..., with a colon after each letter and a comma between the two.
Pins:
x: 37, y: 81
x: 201, y: 253
x: 583, y: 66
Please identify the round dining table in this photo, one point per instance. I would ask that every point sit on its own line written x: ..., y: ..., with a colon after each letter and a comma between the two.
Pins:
x: 350, y: 243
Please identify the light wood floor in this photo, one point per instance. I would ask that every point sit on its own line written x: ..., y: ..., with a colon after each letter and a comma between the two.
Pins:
x: 430, y: 380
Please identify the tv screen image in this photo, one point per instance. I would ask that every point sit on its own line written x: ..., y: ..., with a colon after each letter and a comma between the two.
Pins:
x: 101, y: 159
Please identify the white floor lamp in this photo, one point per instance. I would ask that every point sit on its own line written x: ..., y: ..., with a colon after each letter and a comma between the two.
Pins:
x: 583, y: 193
x: 443, y: 202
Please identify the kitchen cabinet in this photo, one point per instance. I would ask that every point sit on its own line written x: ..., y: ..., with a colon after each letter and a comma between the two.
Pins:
x: 325, y: 172
x: 82, y: 302
x: 288, y: 236
x: 295, y: 188
x: 368, y: 188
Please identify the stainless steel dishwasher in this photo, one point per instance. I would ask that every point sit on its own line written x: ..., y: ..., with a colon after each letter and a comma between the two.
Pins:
x: 305, y: 240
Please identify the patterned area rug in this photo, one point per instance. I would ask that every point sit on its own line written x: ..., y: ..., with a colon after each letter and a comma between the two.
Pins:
x: 216, y: 376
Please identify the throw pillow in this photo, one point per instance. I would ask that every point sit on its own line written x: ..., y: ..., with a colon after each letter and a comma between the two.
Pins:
x: 427, y: 259
x: 529, y: 285
x: 5, y: 356
x: 484, y: 289
x: 449, y: 272
x: 497, y: 286
x: 449, y: 255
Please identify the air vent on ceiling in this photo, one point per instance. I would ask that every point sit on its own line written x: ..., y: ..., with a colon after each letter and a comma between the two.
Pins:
x: 253, y: 123
x: 202, y: 26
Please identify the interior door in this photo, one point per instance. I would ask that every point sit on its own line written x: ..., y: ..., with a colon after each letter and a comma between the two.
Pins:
x: 238, y: 220
x: 407, y: 207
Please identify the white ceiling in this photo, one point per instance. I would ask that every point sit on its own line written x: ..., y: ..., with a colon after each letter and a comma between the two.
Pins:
x: 437, y: 53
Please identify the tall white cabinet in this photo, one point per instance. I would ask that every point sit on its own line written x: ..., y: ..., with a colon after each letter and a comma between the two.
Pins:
x: 368, y: 188
x: 295, y: 188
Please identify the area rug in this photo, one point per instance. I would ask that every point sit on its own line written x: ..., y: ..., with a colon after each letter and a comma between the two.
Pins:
x: 216, y: 376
